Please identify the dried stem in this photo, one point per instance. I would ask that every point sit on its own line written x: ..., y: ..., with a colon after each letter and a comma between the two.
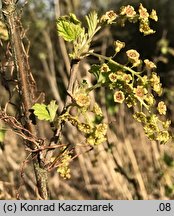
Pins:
x: 26, y: 86
x: 72, y: 80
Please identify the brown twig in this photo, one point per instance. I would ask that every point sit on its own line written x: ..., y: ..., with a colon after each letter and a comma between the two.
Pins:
x: 27, y: 86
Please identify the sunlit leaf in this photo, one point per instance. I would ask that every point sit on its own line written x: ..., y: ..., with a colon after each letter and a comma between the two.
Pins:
x: 52, y: 108
x: 68, y: 29
x: 92, y: 20
x: 41, y: 111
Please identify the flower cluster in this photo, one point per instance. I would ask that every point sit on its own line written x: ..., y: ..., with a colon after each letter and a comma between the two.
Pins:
x: 128, y: 13
x: 154, y: 128
x: 81, y: 96
x: 63, y: 168
x: 97, y: 110
x: 82, y: 100
x: 95, y: 133
x: 144, y: 20
x: 84, y: 120
x: 155, y: 84
x: 99, y: 134
x: 136, y: 90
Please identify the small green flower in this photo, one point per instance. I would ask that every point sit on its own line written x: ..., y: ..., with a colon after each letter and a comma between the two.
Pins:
x: 130, y: 101
x: 143, y: 14
x: 120, y: 75
x: 109, y: 17
x: 153, y: 15
x: 150, y: 129
x: 163, y: 136
x: 99, y: 135
x: 166, y: 124
x: 155, y: 83
x: 63, y: 169
x: 155, y: 79
x: 97, y: 110
x: 158, y: 88
x: 144, y: 80
x: 133, y: 54
x: 133, y: 57
x: 113, y: 77
x: 128, y: 11
x: 86, y: 128
x: 128, y: 88
x: 100, y: 140
x: 149, y: 64
x: 91, y: 140
x: 145, y: 28
x: 127, y: 78
x: 150, y: 99
x: 104, y: 68
x: 162, y: 108
x: 119, y: 97
x: 101, y: 130
x: 82, y: 100
x: 140, y: 117
x: 118, y: 45
x: 140, y: 92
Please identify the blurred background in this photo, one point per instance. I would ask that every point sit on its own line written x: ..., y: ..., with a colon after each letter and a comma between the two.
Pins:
x: 128, y: 165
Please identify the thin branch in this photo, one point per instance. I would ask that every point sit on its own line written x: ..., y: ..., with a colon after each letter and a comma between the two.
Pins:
x: 27, y: 87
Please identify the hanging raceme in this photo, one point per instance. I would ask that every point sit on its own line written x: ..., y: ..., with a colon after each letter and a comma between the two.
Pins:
x: 136, y: 83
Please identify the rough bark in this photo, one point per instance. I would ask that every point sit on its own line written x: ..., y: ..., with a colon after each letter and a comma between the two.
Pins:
x: 27, y: 87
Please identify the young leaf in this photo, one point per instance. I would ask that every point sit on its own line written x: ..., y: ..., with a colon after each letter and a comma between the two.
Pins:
x: 68, y: 29
x: 52, y: 108
x: 74, y: 19
x: 92, y: 20
x: 95, y: 69
x: 40, y: 110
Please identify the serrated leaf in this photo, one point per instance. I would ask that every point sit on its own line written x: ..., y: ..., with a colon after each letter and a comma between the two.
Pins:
x: 68, y: 29
x: 40, y: 110
x: 52, y: 108
x: 92, y: 20
x: 95, y: 69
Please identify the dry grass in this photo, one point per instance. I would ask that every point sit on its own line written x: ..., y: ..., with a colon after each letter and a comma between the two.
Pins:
x: 128, y: 166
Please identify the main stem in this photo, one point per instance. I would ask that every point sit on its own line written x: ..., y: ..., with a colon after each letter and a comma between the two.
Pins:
x: 27, y: 95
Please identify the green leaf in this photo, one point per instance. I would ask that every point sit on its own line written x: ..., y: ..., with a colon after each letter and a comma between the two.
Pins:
x: 95, y: 69
x: 74, y: 19
x: 40, y: 110
x: 69, y: 29
x: 52, y: 108
x: 92, y: 21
